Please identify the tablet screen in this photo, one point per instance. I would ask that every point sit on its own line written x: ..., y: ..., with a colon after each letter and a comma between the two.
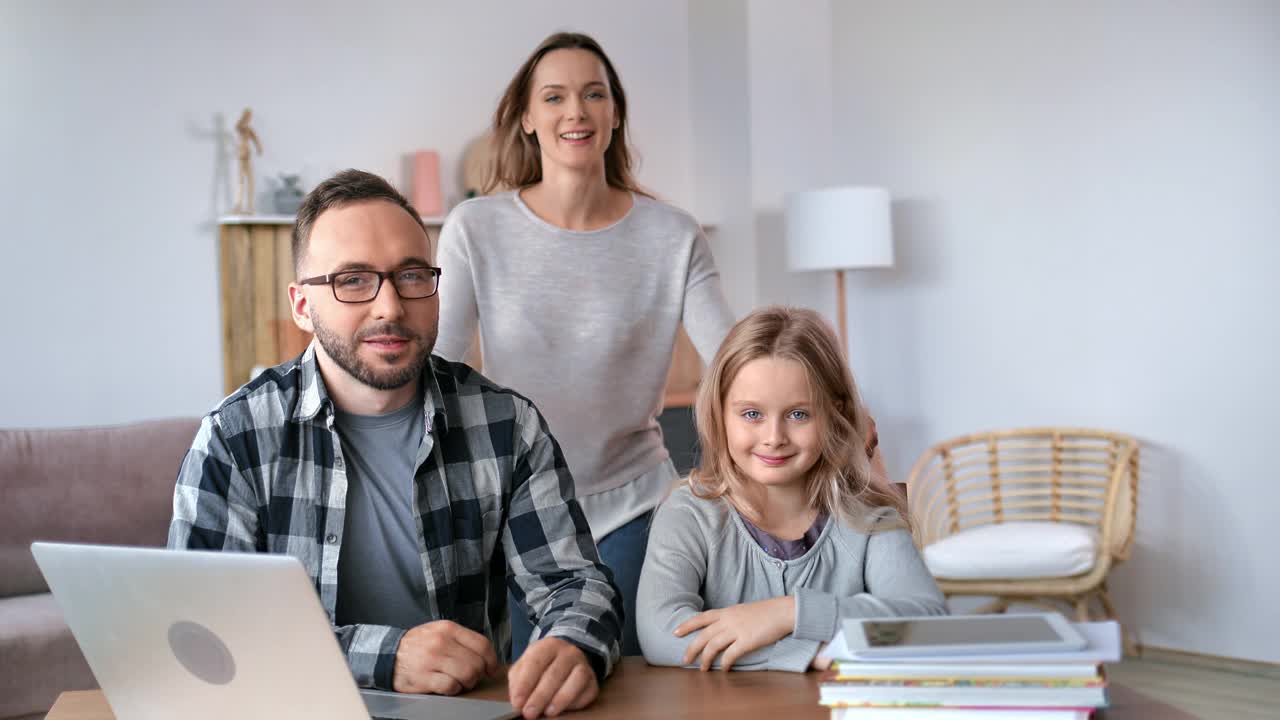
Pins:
x: 957, y: 631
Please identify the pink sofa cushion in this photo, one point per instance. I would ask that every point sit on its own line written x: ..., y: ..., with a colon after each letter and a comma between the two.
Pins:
x: 109, y: 485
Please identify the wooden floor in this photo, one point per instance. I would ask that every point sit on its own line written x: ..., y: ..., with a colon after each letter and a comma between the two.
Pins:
x: 1206, y: 693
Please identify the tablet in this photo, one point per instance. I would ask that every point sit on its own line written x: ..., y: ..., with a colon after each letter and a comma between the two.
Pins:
x: 961, y: 635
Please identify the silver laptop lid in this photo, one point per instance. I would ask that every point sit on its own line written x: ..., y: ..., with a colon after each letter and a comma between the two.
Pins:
x: 213, y: 635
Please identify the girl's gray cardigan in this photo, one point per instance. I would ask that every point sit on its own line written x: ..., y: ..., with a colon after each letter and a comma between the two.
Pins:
x: 701, y: 557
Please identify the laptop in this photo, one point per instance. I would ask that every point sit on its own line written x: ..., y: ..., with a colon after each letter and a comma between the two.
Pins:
x: 216, y: 635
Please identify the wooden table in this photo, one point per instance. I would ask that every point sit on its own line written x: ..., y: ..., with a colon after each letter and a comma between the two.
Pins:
x: 637, y: 691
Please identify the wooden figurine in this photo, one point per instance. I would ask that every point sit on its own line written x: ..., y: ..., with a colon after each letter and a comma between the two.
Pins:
x: 244, y: 195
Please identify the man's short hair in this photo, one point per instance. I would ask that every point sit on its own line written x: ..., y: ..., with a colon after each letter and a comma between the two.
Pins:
x: 348, y: 186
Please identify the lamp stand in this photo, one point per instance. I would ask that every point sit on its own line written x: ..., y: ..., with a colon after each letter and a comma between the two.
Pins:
x: 840, y: 313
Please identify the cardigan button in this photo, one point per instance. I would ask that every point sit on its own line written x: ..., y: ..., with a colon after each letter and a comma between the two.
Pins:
x: 331, y: 538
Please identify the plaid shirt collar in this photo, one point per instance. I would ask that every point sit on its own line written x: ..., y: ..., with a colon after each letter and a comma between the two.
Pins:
x: 313, y: 399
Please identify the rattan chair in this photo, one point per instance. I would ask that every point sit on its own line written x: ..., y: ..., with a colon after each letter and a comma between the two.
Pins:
x: 1008, y: 485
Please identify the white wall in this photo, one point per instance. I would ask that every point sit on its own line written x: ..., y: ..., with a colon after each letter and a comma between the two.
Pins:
x: 719, y: 80
x: 1088, y: 231
x: 791, y: 134
x: 114, y: 173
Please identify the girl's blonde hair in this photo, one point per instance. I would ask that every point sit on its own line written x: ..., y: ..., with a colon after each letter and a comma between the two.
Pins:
x: 841, y: 482
x: 517, y: 158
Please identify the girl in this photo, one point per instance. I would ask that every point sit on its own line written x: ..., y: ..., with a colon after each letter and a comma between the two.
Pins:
x: 578, y: 280
x: 783, y: 529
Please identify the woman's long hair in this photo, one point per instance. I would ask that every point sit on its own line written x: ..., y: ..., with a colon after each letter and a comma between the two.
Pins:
x: 517, y: 157
x: 841, y: 482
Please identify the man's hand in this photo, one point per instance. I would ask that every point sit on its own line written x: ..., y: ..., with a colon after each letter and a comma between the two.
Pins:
x: 443, y: 658
x: 552, y: 676
x: 736, y: 631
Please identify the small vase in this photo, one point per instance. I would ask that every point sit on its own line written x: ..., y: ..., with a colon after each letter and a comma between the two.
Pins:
x: 426, y: 183
x: 288, y: 197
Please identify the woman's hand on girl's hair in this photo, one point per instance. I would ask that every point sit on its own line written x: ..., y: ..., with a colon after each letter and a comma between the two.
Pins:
x: 737, y: 630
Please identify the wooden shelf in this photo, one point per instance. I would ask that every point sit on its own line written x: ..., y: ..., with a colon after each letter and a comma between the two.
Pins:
x: 255, y: 267
x: 433, y: 221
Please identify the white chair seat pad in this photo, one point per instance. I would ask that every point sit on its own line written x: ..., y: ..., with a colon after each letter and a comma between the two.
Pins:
x: 1014, y: 551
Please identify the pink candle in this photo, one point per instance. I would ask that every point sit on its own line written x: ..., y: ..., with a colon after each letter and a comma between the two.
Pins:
x: 426, y: 183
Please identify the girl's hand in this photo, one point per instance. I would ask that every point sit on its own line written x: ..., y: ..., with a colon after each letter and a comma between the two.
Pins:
x: 737, y: 630
x: 820, y: 661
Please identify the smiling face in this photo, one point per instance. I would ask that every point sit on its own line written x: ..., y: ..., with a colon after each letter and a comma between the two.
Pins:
x: 772, y: 429
x: 384, y: 343
x: 571, y: 110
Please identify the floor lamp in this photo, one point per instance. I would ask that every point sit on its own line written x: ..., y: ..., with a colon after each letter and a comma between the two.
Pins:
x: 839, y: 229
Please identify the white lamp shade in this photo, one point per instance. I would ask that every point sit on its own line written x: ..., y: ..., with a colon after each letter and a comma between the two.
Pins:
x: 838, y: 228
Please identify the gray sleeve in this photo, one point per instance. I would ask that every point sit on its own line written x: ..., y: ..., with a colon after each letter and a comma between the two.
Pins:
x: 215, y: 505
x: 707, y: 317
x: 554, y: 566
x: 675, y: 568
x: 459, y: 313
x: 897, y: 582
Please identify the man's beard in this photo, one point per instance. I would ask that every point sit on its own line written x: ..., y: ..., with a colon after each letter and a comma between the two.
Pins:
x: 346, y: 353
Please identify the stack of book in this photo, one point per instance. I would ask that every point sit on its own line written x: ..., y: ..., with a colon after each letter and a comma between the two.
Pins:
x: 1043, y: 686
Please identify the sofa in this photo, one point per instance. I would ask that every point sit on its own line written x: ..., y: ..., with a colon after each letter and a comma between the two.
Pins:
x: 110, y: 485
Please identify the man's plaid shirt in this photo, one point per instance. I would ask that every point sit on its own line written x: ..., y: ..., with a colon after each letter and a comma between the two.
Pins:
x: 493, y: 498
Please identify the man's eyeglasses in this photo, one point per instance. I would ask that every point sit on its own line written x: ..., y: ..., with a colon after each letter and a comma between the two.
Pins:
x: 357, y: 286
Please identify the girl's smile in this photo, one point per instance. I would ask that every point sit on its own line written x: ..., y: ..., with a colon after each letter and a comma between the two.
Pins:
x: 773, y: 461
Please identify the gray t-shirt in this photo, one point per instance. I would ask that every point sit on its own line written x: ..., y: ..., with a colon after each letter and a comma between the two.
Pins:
x: 380, y: 575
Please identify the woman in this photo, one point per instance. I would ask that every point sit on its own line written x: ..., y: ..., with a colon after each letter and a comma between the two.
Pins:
x: 578, y: 280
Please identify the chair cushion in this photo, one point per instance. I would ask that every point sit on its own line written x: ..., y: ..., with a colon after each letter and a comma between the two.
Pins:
x: 40, y: 657
x: 1014, y: 551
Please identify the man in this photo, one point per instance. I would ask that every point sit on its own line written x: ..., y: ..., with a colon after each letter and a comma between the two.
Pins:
x: 410, y: 487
